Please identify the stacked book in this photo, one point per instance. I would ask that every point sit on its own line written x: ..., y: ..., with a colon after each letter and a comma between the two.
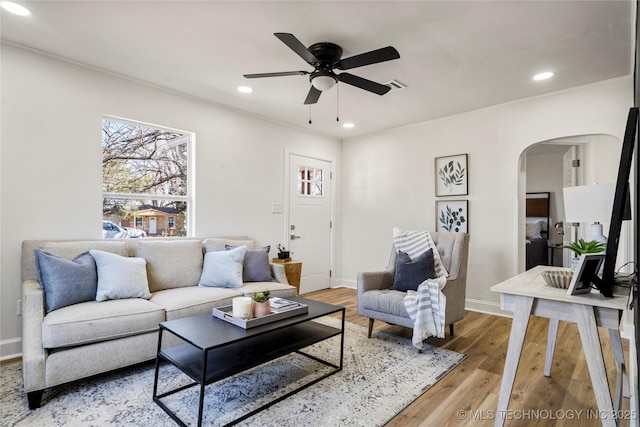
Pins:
x: 280, y: 304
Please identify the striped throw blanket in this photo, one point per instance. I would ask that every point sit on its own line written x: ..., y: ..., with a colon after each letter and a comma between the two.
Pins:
x: 426, y: 306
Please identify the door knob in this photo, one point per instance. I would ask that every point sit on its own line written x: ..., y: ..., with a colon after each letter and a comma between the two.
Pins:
x: 294, y: 237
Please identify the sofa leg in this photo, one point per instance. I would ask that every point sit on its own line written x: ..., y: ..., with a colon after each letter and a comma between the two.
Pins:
x: 370, y: 328
x: 34, y: 398
x: 451, y: 329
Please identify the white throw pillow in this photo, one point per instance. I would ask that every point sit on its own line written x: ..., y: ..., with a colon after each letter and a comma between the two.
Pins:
x: 120, y: 277
x: 223, y: 269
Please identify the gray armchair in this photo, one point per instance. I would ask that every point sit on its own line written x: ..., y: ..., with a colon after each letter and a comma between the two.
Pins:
x: 377, y: 301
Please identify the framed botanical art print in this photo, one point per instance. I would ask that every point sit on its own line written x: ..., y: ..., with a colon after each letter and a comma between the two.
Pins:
x: 451, y: 175
x: 452, y: 216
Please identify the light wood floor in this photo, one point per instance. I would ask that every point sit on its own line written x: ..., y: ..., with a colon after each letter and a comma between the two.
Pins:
x: 469, y: 394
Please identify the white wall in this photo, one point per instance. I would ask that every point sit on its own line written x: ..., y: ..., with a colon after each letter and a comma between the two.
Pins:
x: 389, y: 179
x: 51, y: 161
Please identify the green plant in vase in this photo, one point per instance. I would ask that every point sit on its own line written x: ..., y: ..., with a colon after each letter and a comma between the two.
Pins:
x: 261, y: 296
x: 261, y: 304
x: 583, y: 247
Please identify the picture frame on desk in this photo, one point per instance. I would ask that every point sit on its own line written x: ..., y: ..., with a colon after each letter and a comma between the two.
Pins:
x: 586, y: 273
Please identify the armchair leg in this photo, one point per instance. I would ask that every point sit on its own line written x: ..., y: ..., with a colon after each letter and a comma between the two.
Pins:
x: 451, y: 329
x: 370, y: 328
x: 34, y: 398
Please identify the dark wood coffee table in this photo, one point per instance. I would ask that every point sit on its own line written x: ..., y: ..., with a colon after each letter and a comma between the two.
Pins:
x: 212, y: 348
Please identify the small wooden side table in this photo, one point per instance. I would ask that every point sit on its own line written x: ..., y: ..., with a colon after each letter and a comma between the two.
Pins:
x: 293, y: 270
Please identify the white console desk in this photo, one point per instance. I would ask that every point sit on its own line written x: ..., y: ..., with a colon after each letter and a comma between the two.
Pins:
x: 527, y: 294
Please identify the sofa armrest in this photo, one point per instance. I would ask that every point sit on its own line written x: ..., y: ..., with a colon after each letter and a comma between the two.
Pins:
x: 278, y: 273
x: 33, y: 352
x: 374, y: 280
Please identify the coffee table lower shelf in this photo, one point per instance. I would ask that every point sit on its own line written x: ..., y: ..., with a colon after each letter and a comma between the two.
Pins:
x: 206, y: 366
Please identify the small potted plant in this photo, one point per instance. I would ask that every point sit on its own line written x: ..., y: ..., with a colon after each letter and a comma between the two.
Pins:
x: 583, y: 247
x: 283, y: 253
x: 261, y: 305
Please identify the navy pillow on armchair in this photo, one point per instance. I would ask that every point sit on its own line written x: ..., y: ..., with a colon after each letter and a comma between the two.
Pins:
x: 411, y: 273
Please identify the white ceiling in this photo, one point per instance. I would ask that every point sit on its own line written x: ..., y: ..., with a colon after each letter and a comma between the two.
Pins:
x: 456, y: 56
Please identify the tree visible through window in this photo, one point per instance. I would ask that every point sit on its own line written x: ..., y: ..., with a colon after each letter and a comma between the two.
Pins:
x: 144, y: 180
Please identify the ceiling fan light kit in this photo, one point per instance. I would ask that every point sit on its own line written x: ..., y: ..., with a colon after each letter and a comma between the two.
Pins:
x: 326, y: 57
x: 323, y: 82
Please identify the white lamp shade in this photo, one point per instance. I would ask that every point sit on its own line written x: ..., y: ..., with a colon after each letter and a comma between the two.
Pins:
x: 323, y: 83
x: 589, y: 203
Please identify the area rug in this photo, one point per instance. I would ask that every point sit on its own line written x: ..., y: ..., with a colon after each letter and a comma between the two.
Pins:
x: 380, y: 377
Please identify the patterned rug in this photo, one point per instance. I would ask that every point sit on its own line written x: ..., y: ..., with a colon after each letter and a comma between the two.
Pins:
x: 380, y: 377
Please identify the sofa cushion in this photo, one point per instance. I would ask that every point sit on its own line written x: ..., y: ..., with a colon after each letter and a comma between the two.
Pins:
x: 218, y: 244
x: 255, y: 267
x: 277, y: 289
x: 71, y: 249
x: 120, y: 277
x: 171, y: 264
x: 223, y: 269
x: 385, y: 301
x: 66, y: 282
x: 194, y: 300
x: 94, y: 321
x: 410, y: 273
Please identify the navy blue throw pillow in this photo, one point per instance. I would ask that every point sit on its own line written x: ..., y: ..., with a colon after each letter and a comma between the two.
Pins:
x: 410, y: 273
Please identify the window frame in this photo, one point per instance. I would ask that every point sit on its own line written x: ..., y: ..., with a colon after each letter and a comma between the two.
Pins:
x: 190, y: 150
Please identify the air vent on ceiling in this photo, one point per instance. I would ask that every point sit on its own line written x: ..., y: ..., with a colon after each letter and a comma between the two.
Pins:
x: 395, y: 85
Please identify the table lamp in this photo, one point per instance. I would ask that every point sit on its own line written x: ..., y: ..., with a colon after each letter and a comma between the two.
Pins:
x: 591, y: 203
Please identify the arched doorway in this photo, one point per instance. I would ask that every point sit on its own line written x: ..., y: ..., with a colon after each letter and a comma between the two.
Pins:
x: 547, y: 167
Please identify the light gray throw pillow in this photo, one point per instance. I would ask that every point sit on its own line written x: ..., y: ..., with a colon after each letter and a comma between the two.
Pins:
x: 255, y: 267
x: 120, y: 277
x: 66, y: 282
x: 223, y: 269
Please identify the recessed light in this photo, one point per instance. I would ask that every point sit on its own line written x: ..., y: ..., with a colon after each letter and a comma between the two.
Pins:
x: 15, y: 8
x: 348, y: 125
x: 543, y: 76
x: 245, y: 89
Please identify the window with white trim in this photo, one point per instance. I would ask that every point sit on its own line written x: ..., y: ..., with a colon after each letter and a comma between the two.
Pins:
x: 145, y: 180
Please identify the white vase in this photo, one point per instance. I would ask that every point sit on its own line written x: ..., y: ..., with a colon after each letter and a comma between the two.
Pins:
x: 574, y: 263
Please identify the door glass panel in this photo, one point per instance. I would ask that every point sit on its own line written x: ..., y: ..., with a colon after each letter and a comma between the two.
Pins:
x: 310, y: 181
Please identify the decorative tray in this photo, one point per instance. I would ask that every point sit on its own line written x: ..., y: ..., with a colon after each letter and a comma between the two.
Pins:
x: 224, y: 313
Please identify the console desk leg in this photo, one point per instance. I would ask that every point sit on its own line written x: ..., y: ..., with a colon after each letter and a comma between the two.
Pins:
x: 588, y: 328
x: 622, y: 380
x: 519, y: 325
x: 551, y: 345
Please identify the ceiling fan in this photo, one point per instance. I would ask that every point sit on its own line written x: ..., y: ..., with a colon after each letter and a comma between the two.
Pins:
x: 326, y: 57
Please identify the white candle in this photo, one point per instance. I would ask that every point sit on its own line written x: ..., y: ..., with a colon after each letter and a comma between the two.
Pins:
x: 242, y: 307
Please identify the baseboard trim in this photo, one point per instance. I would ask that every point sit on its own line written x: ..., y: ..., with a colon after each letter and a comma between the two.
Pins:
x: 345, y: 283
x: 10, y: 349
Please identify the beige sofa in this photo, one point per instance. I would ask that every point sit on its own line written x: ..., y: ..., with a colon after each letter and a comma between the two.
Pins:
x: 377, y: 301
x: 91, y: 337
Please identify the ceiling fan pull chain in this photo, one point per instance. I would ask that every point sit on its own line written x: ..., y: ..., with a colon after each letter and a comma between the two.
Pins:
x: 337, y: 102
x: 309, y: 114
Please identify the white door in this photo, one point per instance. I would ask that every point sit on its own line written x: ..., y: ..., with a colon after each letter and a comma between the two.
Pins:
x: 572, y: 175
x: 310, y: 220
x: 153, y: 229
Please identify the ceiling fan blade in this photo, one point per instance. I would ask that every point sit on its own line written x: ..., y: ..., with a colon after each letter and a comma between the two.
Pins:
x: 296, y: 46
x: 312, y: 96
x: 362, y: 83
x: 284, y: 73
x: 379, y: 55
